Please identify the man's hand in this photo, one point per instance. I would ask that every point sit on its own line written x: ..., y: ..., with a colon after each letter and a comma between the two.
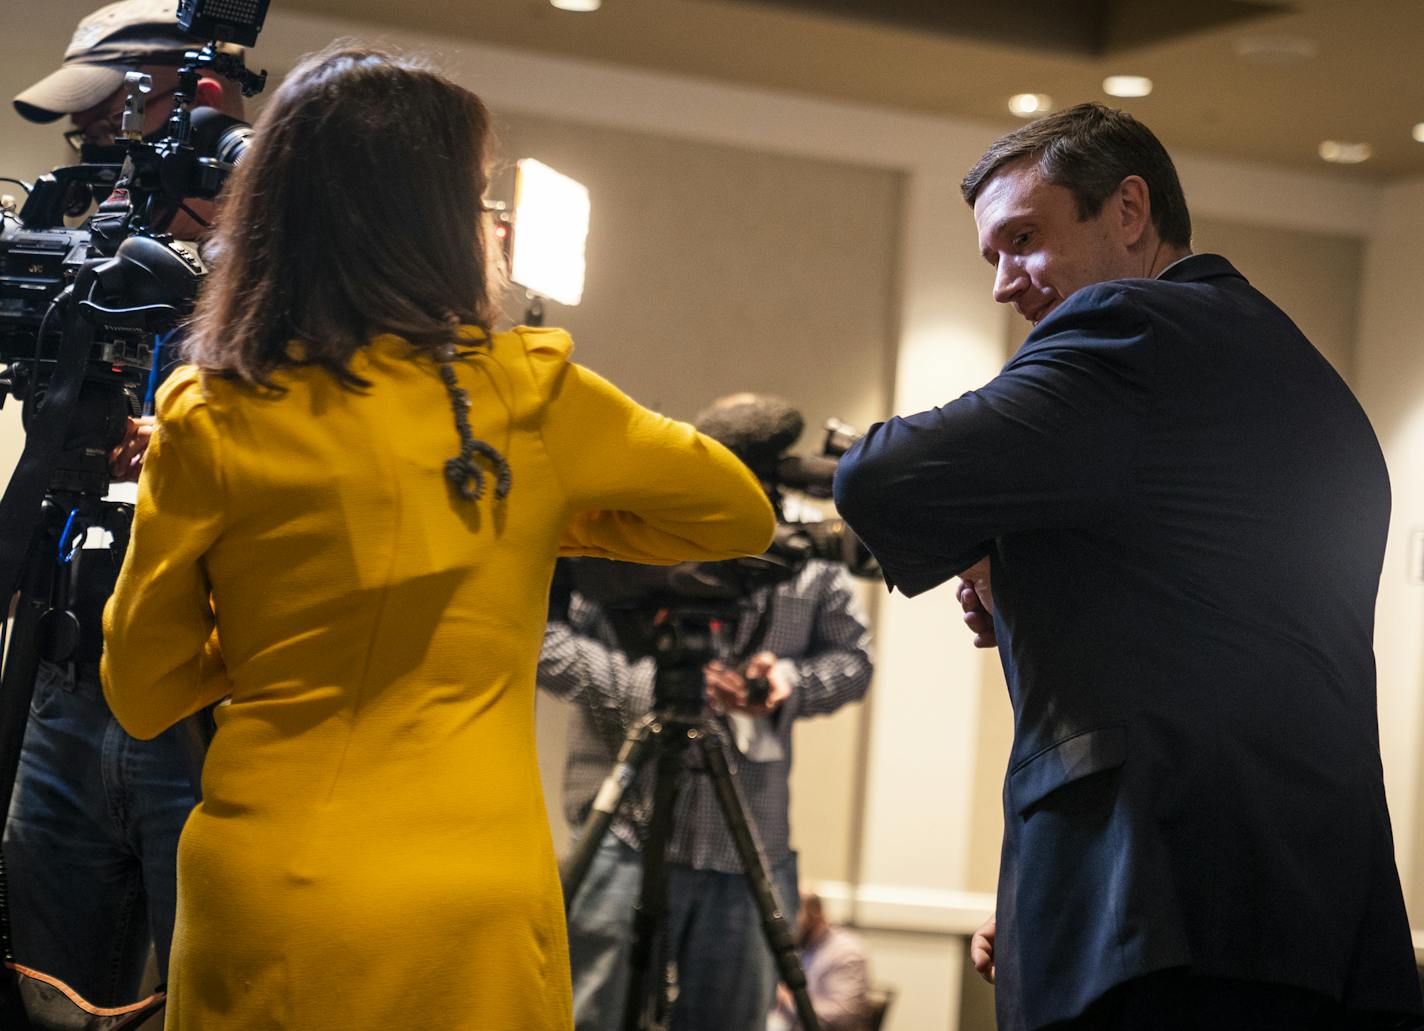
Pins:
x: 977, y: 599
x: 126, y: 459
x: 727, y: 689
x: 981, y: 950
x: 763, y: 664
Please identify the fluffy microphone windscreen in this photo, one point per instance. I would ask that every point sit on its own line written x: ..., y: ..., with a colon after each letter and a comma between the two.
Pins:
x: 757, y: 428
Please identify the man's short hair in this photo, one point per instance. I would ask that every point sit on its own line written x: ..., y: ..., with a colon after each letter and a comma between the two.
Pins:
x: 1090, y: 149
x: 108, y: 43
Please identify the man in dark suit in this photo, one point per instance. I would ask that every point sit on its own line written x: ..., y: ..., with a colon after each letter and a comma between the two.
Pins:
x: 1169, y: 513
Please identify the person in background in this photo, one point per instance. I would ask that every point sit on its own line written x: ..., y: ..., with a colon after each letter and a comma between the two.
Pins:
x: 837, y: 974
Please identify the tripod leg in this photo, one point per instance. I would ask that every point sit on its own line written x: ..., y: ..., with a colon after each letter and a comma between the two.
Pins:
x: 754, y: 866
x: 652, y: 903
x: 16, y: 690
x: 636, y: 750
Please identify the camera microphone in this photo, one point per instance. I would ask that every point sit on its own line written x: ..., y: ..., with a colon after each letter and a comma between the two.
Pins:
x: 757, y: 428
x: 811, y: 476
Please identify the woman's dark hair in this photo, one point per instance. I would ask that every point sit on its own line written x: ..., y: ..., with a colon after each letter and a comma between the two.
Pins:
x: 357, y: 211
x: 1090, y: 149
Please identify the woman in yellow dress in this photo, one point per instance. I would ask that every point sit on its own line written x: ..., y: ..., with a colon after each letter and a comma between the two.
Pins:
x: 347, y: 523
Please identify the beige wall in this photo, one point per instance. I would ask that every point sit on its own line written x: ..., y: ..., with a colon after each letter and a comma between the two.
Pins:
x: 1390, y: 381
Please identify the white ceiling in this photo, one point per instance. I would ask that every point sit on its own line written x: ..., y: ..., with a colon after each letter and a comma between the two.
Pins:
x: 1364, y: 82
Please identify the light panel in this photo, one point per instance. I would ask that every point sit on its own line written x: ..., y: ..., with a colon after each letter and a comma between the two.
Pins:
x: 550, y: 232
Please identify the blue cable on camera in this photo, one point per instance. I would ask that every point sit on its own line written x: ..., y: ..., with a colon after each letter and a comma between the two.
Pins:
x: 159, y: 342
x: 64, y: 558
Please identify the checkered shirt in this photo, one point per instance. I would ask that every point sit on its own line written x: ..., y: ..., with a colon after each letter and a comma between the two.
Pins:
x: 819, y: 631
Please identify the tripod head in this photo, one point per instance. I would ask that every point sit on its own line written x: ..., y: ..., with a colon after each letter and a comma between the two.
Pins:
x: 682, y: 642
x: 681, y: 615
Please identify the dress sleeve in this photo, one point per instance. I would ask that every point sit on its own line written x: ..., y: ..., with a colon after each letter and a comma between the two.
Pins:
x: 161, y: 657
x: 643, y: 488
x: 1045, y: 444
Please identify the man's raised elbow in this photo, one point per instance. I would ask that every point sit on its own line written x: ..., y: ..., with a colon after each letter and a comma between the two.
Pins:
x: 856, y: 486
x: 756, y: 531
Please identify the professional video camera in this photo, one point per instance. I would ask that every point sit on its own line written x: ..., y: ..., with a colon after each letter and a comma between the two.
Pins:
x: 760, y: 430
x: 119, y: 278
x: 640, y: 600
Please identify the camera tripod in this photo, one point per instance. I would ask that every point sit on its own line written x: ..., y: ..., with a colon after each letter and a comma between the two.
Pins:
x: 681, y: 646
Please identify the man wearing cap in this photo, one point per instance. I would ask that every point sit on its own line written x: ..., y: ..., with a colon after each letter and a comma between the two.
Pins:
x: 134, y: 35
x: 92, y: 837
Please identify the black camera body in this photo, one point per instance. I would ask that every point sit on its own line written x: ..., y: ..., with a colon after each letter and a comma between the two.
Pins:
x: 35, y: 265
x: 127, y: 287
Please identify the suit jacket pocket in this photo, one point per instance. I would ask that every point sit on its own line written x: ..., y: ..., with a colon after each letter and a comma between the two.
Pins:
x: 1072, y: 759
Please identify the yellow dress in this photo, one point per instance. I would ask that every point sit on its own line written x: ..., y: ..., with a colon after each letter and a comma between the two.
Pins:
x: 372, y: 848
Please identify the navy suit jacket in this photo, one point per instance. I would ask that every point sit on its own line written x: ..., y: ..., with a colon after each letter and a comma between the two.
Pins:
x: 1185, y: 509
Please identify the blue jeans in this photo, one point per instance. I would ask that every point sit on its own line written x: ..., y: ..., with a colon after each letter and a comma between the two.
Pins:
x: 91, y: 844
x: 726, y: 974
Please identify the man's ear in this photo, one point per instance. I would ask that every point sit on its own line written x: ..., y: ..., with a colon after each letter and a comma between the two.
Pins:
x: 1134, y: 209
x: 210, y: 93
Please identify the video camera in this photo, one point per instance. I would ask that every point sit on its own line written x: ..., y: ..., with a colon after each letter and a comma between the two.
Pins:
x: 713, y: 585
x: 119, y: 279
x: 641, y: 599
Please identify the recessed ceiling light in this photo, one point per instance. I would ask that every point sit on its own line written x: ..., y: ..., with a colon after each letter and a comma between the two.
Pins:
x: 1276, y: 49
x: 577, y: 5
x: 1026, y: 105
x: 1344, y: 153
x: 1127, y: 85
x: 1418, y: 132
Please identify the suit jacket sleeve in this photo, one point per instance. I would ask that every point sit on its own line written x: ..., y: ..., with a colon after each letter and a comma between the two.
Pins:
x: 1045, y: 444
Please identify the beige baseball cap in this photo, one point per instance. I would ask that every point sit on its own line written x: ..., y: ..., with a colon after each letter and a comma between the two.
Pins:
x: 113, y: 40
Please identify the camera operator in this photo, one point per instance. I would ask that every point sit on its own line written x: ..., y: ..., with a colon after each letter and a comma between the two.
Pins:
x: 92, y: 837
x: 814, y: 656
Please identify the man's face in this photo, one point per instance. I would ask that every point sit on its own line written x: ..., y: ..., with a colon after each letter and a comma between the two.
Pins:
x: 1041, y: 251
